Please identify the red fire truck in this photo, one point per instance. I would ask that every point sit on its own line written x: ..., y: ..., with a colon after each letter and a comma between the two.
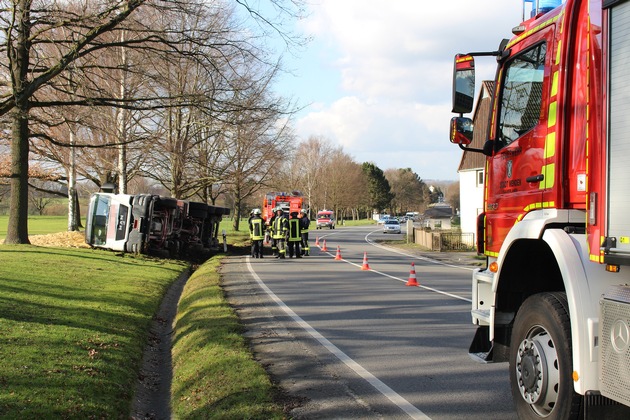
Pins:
x: 554, y: 297
x: 289, y: 202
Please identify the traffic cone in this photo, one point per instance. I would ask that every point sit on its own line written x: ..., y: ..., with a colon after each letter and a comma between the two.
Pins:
x: 365, y: 265
x: 317, y: 241
x: 338, y: 256
x: 323, y: 248
x: 412, y: 276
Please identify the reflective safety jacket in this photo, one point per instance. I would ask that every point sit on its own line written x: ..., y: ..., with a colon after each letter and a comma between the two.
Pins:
x: 294, y: 230
x: 256, y: 228
x: 280, y: 227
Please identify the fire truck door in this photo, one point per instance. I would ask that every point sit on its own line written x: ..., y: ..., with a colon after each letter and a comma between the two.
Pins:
x: 519, y: 171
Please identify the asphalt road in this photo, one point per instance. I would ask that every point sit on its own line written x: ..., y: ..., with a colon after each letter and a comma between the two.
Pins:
x: 352, y: 343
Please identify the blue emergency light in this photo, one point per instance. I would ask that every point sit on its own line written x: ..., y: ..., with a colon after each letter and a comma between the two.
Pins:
x: 541, y: 6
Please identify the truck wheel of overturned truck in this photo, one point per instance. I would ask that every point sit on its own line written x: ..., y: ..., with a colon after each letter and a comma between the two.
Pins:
x: 166, y: 203
x: 197, y: 210
x: 541, y: 361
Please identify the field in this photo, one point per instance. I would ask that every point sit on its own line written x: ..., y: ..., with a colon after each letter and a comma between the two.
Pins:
x: 38, y: 225
x: 75, y: 321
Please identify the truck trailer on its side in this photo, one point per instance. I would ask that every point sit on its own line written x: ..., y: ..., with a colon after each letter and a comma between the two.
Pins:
x: 152, y: 224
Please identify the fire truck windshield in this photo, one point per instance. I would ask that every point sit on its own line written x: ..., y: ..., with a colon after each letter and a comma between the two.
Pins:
x: 521, y: 97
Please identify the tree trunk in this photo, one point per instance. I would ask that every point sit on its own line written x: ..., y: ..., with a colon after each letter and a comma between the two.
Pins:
x: 121, y: 117
x: 17, y: 229
x: 237, y: 215
x: 72, y: 192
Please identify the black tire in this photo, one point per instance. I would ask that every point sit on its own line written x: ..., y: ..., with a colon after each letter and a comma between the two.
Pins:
x: 165, y: 203
x: 197, y: 210
x: 541, y: 360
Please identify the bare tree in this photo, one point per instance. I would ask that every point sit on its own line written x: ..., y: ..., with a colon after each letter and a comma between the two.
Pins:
x: 308, y: 170
x: 29, y: 25
x: 258, y: 141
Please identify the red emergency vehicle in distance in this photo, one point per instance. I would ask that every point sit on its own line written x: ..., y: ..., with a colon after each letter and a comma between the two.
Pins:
x: 325, y: 218
x: 289, y: 202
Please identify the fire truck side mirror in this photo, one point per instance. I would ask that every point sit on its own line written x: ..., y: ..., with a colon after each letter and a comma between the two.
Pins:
x: 463, y: 83
x: 461, y: 130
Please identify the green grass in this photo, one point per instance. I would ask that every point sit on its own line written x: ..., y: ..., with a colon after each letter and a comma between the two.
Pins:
x: 215, y: 376
x: 73, y: 324
x: 38, y: 225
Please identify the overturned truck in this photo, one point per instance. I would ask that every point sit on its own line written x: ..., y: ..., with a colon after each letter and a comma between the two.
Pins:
x: 152, y: 224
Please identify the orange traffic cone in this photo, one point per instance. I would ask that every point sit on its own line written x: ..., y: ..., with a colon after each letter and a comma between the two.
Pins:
x: 412, y: 276
x: 317, y: 241
x: 365, y: 265
x: 338, y: 256
x: 323, y: 248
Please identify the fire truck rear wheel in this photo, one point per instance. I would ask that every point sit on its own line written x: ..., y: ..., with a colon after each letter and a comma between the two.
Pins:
x: 541, y: 359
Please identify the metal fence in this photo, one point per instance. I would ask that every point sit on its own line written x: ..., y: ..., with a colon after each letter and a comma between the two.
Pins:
x: 444, y: 240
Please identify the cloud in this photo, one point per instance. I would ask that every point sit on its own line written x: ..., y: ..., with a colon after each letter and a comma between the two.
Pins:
x: 394, y: 63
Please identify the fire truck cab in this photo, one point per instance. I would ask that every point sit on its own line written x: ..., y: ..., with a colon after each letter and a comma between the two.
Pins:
x: 288, y: 202
x: 553, y: 299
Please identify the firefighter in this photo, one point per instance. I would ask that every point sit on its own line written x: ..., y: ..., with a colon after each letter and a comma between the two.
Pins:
x: 269, y: 231
x: 249, y: 221
x: 280, y: 227
x: 256, y: 230
x: 305, y: 223
x: 295, y: 236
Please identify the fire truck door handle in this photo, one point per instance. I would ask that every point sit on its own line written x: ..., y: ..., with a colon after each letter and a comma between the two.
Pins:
x: 535, y: 178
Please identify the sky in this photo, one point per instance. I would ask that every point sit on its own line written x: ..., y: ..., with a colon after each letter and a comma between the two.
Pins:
x: 376, y: 78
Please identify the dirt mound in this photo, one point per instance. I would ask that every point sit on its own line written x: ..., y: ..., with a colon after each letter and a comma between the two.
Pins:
x: 61, y: 239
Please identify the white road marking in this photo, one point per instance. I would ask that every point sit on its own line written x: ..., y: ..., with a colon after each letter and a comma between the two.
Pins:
x: 369, y: 241
x: 381, y: 387
x: 403, y: 280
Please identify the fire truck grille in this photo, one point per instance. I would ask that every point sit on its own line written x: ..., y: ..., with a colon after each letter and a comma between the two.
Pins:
x: 614, y: 336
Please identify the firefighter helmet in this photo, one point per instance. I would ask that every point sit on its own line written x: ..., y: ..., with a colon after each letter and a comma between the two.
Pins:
x: 256, y: 211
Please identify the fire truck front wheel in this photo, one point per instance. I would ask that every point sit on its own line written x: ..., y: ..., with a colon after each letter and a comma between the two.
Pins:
x: 541, y: 360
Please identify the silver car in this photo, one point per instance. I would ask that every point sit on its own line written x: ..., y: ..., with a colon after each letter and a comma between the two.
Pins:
x: 391, y: 226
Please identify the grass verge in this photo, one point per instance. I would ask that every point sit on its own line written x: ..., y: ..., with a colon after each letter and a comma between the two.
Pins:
x: 214, y: 373
x: 73, y: 326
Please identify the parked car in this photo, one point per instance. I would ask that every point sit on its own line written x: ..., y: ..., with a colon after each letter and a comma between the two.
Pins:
x: 391, y: 226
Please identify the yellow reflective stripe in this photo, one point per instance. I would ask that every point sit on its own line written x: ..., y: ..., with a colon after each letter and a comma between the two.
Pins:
x: 534, y: 30
x: 596, y: 257
x: 550, y: 145
x: 535, y: 206
x: 549, y: 173
x: 559, y: 48
x: 492, y: 254
x: 554, y: 84
x: 553, y: 114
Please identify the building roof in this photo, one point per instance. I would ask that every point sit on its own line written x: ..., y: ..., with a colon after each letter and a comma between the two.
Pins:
x: 481, y: 118
x: 438, y: 212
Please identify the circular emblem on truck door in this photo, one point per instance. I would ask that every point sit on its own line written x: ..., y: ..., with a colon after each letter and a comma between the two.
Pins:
x: 620, y: 336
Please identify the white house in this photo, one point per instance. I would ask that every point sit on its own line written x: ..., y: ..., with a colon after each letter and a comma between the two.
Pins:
x: 437, y: 216
x: 472, y: 166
